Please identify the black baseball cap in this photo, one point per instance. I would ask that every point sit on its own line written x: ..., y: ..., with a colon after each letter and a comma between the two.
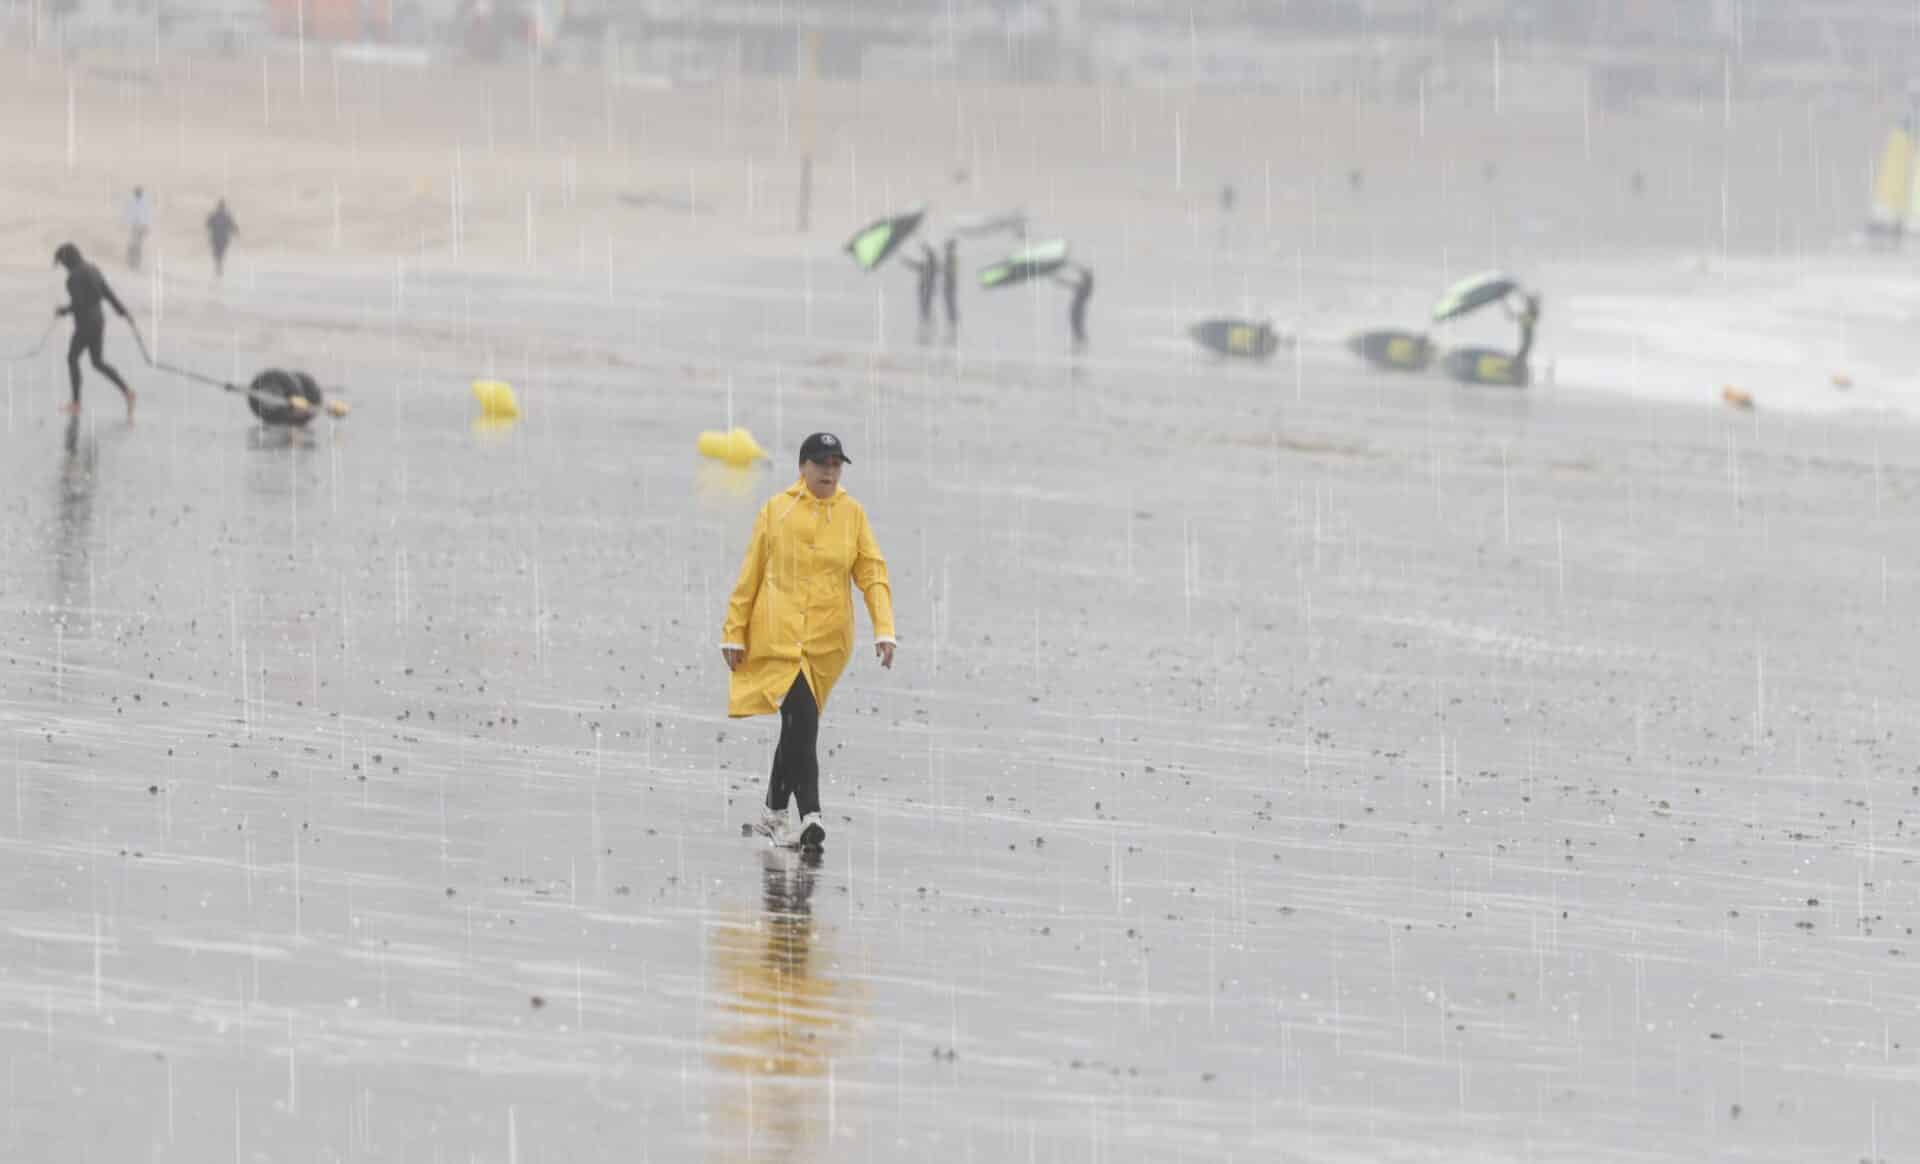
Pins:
x: 821, y: 445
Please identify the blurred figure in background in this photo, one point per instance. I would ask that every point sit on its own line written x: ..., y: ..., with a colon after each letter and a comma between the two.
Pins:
x: 1082, y: 285
x: 950, y: 291
x: 1526, y: 313
x: 926, y: 270
x: 139, y: 217
x: 220, y: 231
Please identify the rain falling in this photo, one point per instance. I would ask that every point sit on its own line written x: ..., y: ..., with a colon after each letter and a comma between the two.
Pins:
x: 1068, y: 581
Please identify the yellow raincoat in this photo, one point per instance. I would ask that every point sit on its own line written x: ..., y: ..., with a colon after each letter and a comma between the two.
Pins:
x: 791, y: 608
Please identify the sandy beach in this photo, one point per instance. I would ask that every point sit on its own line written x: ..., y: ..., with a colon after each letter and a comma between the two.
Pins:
x: 1284, y: 762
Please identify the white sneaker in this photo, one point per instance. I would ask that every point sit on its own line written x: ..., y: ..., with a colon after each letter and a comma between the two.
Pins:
x: 813, y: 834
x: 773, y: 826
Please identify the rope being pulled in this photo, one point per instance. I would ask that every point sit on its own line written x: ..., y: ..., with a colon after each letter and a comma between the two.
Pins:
x: 38, y: 347
x: 276, y: 397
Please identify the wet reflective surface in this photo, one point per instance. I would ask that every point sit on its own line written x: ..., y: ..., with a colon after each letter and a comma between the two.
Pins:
x: 1283, y: 762
x: 782, y: 1014
x: 1388, y: 772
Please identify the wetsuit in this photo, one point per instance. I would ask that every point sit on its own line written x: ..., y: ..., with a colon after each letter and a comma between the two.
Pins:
x: 87, y: 290
x: 1077, y: 310
x: 220, y: 231
x: 950, y: 288
x: 1528, y: 319
x: 926, y: 270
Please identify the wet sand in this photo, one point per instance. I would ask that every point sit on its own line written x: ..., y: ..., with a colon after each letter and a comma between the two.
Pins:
x: 1282, y: 763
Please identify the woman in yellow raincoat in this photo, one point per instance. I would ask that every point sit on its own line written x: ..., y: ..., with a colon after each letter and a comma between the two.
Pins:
x: 789, y: 630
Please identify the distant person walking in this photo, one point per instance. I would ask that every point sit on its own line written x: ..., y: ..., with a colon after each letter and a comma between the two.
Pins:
x: 789, y: 625
x: 950, y: 290
x: 220, y: 231
x: 926, y: 270
x: 139, y: 221
x: 87, y: 291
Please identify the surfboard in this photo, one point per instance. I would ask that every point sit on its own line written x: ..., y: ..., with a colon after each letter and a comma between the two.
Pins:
x: 1484, y: 366
x: 1400, y: 351
x: 1244, y: 339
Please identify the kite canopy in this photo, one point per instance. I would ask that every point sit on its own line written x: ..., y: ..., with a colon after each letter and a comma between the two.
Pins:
x: 871, y: 246
x: 1471, y: 294
x: 1012, y: 222
x: 1033, y: 262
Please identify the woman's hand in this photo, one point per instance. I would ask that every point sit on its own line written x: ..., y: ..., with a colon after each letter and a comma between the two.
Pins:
x: 884, y: 652
x: 734, y: 657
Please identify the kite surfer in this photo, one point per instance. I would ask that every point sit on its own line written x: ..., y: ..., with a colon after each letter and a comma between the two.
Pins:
x: 87, y: 290
x: 950, y: 290
x: 926, y: 270
x: 789, y: 625
x: 1082, y: 286
x: 1527, y: 316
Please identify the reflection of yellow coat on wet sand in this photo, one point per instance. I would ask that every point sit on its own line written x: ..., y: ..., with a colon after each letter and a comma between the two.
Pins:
x: 791, y: 608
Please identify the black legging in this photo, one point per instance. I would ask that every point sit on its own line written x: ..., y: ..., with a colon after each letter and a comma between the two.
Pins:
x: 796, y: 764
x: 87, y: 339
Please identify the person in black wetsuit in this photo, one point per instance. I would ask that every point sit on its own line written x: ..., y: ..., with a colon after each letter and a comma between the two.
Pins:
x: 1527, y: 316
x: 926, y: 269
x: 87, y: 290
x: 1077, y: 309
x: 220, y: 231
x: 950, y: 290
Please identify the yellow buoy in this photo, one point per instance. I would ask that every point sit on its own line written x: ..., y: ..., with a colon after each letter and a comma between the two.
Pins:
x: 734, y: 448
x: 496, y: 399
x: 1736, y: 397
x: 1842, y: 381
